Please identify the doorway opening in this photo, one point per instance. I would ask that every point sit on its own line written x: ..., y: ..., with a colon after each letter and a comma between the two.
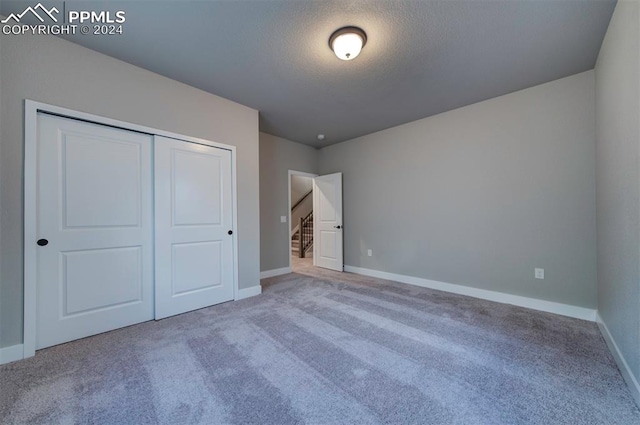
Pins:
x: 300, y: 228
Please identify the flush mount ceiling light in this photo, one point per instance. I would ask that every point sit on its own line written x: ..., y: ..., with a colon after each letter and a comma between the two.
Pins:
x: 347, y: 42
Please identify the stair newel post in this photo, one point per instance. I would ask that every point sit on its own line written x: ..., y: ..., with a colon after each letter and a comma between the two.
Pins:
x: 301, y: 238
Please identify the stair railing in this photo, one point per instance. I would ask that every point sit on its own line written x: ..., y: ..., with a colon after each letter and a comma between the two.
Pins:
x: 301, y: 200
x: 305, y: 230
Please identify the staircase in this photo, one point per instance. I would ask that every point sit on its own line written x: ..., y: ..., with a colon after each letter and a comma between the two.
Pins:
x: 302, y: 239
x: 295, y: 244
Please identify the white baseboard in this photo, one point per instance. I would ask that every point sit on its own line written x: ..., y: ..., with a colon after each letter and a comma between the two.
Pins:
x: 500, y: 297
x: 249, y: 292
x: 11, y: 354
x: 628, y: 376
x: 275, y: 272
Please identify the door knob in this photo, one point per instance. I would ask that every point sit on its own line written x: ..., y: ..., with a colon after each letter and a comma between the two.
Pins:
x: 42, y: 242
x: 338, y: 227
x: 230, y: 232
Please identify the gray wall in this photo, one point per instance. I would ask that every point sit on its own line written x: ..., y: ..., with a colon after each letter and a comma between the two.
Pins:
x: 618, y: 180
x: 51, y: 70
x: 481, y: 195
x: 3, y: 318
x: 277, y: 157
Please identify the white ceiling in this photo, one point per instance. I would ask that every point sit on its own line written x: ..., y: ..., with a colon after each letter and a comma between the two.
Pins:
x: 421, y: 57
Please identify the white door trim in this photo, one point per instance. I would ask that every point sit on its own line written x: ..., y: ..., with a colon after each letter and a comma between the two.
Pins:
x: 30, y: 184
x: 292, y: 173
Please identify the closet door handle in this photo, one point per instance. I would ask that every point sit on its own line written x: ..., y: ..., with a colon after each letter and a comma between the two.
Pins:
x: 42, y: 242
x: 230, y: 232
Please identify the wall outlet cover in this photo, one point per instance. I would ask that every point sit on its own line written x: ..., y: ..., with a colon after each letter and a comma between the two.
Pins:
x: 283, y: 219
x: 369, y: 252
x: 539, y: 273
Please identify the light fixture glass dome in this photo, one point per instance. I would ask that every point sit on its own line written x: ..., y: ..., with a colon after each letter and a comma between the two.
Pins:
x: 347, y: 42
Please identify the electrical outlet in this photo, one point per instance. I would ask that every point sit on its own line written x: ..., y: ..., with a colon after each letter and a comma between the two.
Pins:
x: 283, y: 219
x: 369, y: 252
x: 539, y: 273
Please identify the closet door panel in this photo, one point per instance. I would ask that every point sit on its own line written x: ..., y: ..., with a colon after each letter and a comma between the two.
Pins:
x: 193, y: 221
x: 94, y: 226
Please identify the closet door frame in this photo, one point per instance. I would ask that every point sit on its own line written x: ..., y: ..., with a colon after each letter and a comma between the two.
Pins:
x: 32, y: 108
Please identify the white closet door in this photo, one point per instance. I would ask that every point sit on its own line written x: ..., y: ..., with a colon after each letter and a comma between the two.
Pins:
x: 94, y: 224
x: 193, y: 212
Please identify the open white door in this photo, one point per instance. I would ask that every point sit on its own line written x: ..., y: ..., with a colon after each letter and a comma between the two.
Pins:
x: 194, y: 226
x: 327, y: 222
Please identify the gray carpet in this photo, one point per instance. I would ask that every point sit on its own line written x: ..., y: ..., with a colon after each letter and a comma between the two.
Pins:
x: 325, y: 348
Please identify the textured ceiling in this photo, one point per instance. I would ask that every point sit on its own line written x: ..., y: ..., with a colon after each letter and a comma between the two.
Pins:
x: 421, y: 57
